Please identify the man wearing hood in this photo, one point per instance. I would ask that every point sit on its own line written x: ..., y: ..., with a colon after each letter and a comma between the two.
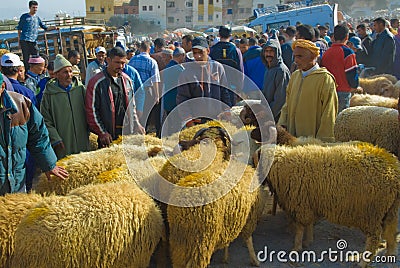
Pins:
x: 311, y: 100
x: 276, y: 77
x: 63, y: 109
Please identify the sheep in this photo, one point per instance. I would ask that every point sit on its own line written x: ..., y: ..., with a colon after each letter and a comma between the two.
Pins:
x: 82, y: 168
x: 390, y: 77
x: 352, y: 185
x: 103, y: 225
x: 200, y: 215
x: 376, y: 125
x: 13, y: 207
x: 373, y: 100
x: 379, y: 86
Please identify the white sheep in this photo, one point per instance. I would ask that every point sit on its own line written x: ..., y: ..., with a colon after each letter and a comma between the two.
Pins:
x: 376, y: 125
x: 373, y: 100
x: 103, y: 225
x: 352, y: 185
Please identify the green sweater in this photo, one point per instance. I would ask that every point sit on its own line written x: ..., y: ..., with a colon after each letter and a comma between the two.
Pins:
x: 65, y: 117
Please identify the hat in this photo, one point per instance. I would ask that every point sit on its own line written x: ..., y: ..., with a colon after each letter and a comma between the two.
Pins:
x: 356, y: 42
x: 306, y: 44
x: 11, y: 60
x: 167, y: 51
x: 100, y: 49
x: 61, y: 62
x: 178, y: 51
x: 224, y: 31
x: 200, y: 43
x: 35, y: 59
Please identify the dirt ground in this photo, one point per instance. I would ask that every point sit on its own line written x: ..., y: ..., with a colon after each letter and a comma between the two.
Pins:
x: 272, y: 232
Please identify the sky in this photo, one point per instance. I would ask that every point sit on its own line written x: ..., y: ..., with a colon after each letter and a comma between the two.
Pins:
x: 47, y: 8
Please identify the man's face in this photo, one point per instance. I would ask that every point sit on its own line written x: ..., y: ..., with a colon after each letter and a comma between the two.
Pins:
x: 304, y: 59
x: 323, y: 32
x: 101, y: 56
x: 37, y: 68
x: 115, y: 65
x: 200, y: 55
x: 130, y: 55
x: 21, y: 74
x: 33, y: 9
x: 243, y: 48
x: 75, y: 60
x: 361, y: 32
x: 269, y: 54
x: 64, y: 76
x: 378, y: 27
x: 187, y: 46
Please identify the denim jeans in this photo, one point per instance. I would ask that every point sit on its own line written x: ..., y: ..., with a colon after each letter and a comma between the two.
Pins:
x: 344, y: 100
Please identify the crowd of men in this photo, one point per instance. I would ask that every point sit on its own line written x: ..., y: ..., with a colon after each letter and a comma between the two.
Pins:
x: 305, y: 74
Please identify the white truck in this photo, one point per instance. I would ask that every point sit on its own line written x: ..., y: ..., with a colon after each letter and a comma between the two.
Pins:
x: 313, y: 15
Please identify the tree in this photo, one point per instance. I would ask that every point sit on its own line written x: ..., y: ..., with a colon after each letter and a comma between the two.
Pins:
x: 138, y: 26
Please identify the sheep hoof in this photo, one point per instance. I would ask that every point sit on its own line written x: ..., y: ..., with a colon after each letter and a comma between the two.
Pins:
x: 255, y: 263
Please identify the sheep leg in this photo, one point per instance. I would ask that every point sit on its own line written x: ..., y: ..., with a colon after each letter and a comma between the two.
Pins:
x: 226, y: 255
x: 274, y: 205
x: 371, y: 245
x: 298, y: 238
x: 309, y: 235
x: 389, y: 234
x: 253, y: 258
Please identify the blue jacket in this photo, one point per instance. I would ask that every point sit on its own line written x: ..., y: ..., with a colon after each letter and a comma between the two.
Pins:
x: 22, y: 127
x: 253, y: 67
x: 170, y: 78
x: 138, y: 88
x: 383, y: 52
x: 29, y: 26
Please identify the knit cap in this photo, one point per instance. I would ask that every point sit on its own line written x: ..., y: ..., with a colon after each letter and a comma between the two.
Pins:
x: 61, y: 62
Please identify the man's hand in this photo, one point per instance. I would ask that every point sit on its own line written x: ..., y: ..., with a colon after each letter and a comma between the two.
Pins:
x: 57, y: 171
x: 140, y: 129
x: 105, y: 140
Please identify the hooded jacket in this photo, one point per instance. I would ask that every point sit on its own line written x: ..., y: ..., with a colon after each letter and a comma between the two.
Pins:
x: 311, y: 105
x: 276, y: 79
x: 65, y: 117
x: 22, y: 128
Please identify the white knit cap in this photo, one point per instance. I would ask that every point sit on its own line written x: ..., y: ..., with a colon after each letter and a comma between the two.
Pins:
x: 61, y: 62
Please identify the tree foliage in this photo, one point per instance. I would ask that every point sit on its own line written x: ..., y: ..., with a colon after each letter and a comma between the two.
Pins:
x: 138, y: 26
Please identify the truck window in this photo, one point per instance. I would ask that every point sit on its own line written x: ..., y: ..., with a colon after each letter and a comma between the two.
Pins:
x: 278, y: 25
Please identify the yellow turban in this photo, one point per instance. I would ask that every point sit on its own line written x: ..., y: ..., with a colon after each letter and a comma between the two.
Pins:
x: 310, y: 46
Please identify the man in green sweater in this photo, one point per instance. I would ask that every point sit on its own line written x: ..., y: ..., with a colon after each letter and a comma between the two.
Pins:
x: 63, y: 109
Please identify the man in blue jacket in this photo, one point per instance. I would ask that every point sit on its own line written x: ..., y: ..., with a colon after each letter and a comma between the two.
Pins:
x: 383, y: 48
x: 22, y: 127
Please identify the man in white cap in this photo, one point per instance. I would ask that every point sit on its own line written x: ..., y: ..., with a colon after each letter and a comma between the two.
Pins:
x: 11, y: 65
x: 63, y: 109
x: 22, y: 128
x: 96, y: 66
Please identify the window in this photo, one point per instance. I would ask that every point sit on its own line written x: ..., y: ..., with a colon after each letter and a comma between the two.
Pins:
x: 260, y: 5
x: 152, y: 22
x: 170, y: 4
x: 217, y: 1
x: 248, y: 10
x: 210, y: 17
x: 144, y: 8
x: 201, y: 2
x: 126, y: 11
x: 188, y: 18
x: 102, y: 10
x: 91, y: 9
x: 229, y: 11
x: 241, y: 10
x: 150, y: 8
x: 189, y: 4
x: 170, y: 19
x: 216, y: 16
x: 158, y: 22
x: 158, y: 7
x: 210, y: 2
x: 200, y: 18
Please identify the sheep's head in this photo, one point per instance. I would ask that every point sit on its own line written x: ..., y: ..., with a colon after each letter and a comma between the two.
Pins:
x: 249, y: 112
x: 216, y: 134
x: 388, y: 90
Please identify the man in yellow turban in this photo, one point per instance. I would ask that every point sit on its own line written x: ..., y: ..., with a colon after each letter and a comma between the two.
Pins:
x: 311, y: 100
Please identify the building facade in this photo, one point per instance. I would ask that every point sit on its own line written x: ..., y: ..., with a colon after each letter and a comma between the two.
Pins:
x: 100, y: 9
x: 154, y: 11
x: 207, y: 13
x: 179, y: 14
